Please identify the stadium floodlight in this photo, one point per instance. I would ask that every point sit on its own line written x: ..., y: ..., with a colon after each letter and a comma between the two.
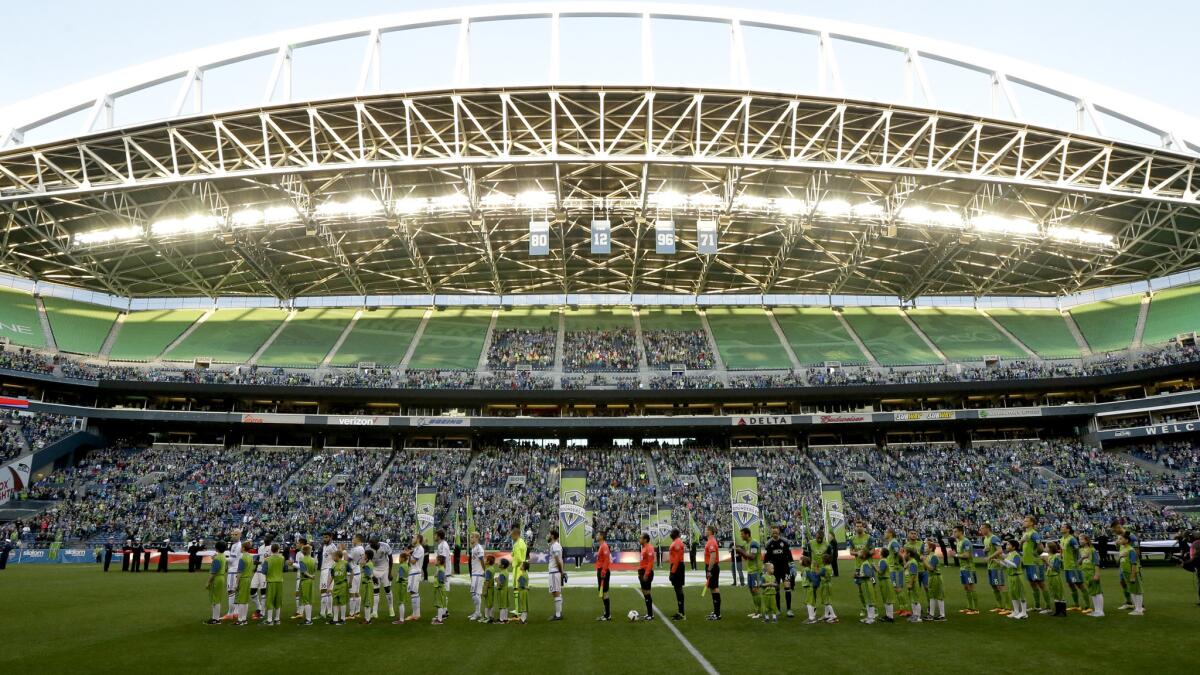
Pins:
x: 791, y: 207
x: 1074, y: 235
x: 497, y: 199
x: 246, y: 218
x: 988, y: 222
x: 108, y: 235
x: 358, y: 207
x: 455, y: 201
x: 705, y: 200
x: 535, y: 199
x: 833, y: 208
x: 193, y: 224
x: 667, y: 199
x: 409, y: 205
x: 923, y: 215
x: 868, y: 210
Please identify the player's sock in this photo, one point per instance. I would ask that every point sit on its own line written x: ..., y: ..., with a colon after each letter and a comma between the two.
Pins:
x: 400, y: 609
x: 390, y: 601
x: 308, y: 612
x: 416, y: 604
x: 1074, y: 596
x: 1098, y: 605
x: 1024, y: 608
x: 829, y: 613
x: 1137, y: 602
x: 870, y: 612
x: 812, y: 613
x: 216, y: 612
x: 679, y: 599
x: 647, y: 598
x: 503, y: 614
x: 558, y: 605
x: 606, y: 607
x: 717, y: 604
x: 1128, y: 599
x: 916, y: 609
x: 789, y: 600
x: 889, y: 610
x: 478, y: 602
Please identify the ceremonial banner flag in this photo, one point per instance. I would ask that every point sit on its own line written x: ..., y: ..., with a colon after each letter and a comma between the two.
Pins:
x: 833, y: 513
x: 693, y: 530
x: 662, y: 524
x: 572, y: 512
x: 590, y: 527
x: 470, y: 518
x: 743, y: 488
x: 426, y: 498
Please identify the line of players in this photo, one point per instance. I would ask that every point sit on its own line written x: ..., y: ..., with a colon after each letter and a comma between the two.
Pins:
x: 908, y: 574
x: 349, y: 584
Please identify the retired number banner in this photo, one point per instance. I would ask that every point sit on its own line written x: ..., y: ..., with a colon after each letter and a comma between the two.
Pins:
x: 833, y: 510
x: 743, y: 489
x: 572, y: 512
x: 426, y: 499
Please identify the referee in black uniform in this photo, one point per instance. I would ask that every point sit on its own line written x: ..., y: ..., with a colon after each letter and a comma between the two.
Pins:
x: 779, y: 554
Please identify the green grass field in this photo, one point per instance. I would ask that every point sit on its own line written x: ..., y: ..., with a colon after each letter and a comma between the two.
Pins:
x: 76, y: 618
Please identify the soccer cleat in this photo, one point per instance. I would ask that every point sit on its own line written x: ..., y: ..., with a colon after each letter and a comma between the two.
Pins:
x: 914, y: 619
x: 712, y: 617
x: 436, y: 621
x: 1045, y: 611
x: 832, y: 619
x: 1138, y: 612
x: 398, y: 622
x: 1126, y: 606
x: 938, y: 618
x: 242, y: 623
x: 971, y: 612
x: 414, y: 617
x: 755, y: 615
x: 213, y: 622
x: 1087, y: 610
x: 298, y: 615
x: 677, y: 617
x: 809, y: 622
x: 556, y: 618
x: 867, y: 621
x: 887, y: 619
x: 647, y: 617
x: 604, y: 617
x: 791, y: 614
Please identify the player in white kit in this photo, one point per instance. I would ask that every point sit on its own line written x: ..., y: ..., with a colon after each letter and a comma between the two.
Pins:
x: 328, y: 548
x: 414, y: 577
x: 258, y: 581
x: 301, y: 542
x: 443, y: 549
x: 232, y: 556
x: 555, y: 571
x: 476, y: 577
x: 383, y: 575
x: 358, y: 555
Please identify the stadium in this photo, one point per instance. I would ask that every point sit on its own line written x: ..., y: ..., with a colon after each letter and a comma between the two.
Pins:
x: 567, y: 304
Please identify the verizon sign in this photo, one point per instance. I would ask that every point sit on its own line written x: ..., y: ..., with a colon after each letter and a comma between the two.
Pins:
x: 761, y: 420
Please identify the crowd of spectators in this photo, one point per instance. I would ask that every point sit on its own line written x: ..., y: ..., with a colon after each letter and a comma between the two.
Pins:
x: 25, y: 431
x: 765, y: 380
x: 685, y: 381
x: 512, y: 347
x: 1181, y: 456
x: 506, y: 485
x: 26, y: 360
x: 599, y: 381
x: 690, y: 348
x: 387, y: 509
x: 516, y: 381
x: 613, y: 350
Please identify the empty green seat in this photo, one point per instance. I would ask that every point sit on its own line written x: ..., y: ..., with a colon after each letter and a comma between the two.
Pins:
x: 817, y: 336
x: 229, y: 335
x: 888, y: 336
x: 746, y: 339
x: 381, y: 337
x: 307, y: 338
x: 79, y: 327
x: 1042, y: 330
x: 964, y: 334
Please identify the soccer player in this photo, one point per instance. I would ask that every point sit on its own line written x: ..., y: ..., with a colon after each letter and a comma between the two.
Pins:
x: 770, y: 589
x: 328, y: 548
x: 827, y: 589
x: 476, y: 554
x: 859, y: 540
x: 521, y: 590
x: 489, y: 588
x: 258, y: 582
x: 864, y: 578
x: 443, y: 549
x: 382, y: 562
x: 520, y: 550
x: 779, y: 554
x: 1069, y: 545
x: 964, y: 552
x: 366, y: 589
x: 556, y: 572
x: 339, y: 589
x: 358, y: 554
x: 217, y: 577
x: 273, y: 568
x: 503, y: 590
x: 1031, y: 549
x: 603, y: 572
x: 646, y: 576
x: 246, y: 569
x: 676, y: 573
x: 934, y: 590
x: 1118, y: 528
x: 1014, y: 563
x: 750, y: 552
x: 306, y: 571
x: 402, y: 565
x: 1089, y: 568
x: 416, y: 557
x: 301, y: 542
x: 1131, y: 571
x: 993, y: 553
x: 912, y: 573
x: 892, y: 546
x: 712, y: 570
x: 231, y: 576
x: 1054, y: 570
x: 439, y: 588
x: 884, y: 575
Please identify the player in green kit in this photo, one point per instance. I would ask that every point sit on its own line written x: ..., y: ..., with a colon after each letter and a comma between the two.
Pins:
x: 860, y: 540
x: 934, y: 589
x: 1054, y: 574
x: 1069, y: 545
x: 306, y: 567
x: 883, y: 583
x: 1016, y: 584
x: 914, y: 546
x: 401, y: 572
x: 366, y: 588
x: 1031, y: 560
x: 503, y: 590
x: 912, y: 573
x: 1119, y: 528
x: 216, y: 583
x: 827, y: 589
x: 273, y: 568
x: 751, y: 555
x: 993, y: 553
x: 1131, y: 571
x: 964, y: 553
x: 1089, y: 568
x: 892, y: 546
x: 340, y: 575
x: 521, y: 589
x: 243, y: 573
x: 864, y: 578
x: 770, y: 590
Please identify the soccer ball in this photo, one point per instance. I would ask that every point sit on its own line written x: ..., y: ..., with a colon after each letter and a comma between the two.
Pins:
x: 633, y: 615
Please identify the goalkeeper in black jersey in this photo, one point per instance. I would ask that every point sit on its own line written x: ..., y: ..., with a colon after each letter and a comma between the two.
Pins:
x: 779, y: 554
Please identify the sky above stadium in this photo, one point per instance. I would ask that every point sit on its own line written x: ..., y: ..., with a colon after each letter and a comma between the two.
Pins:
x: 1147, y: 50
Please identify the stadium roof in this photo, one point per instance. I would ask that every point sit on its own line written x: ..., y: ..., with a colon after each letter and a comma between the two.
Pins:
x: 385, y: 192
